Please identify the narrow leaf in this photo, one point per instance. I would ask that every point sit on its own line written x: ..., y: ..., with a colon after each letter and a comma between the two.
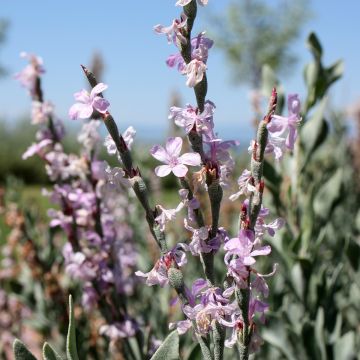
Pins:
x: 319, y: 333
x: 71, y: 350
x: 314, y: 45
x: 21, y: 352
x: 345, y: 347
x: 328, y: 194
x: 49, y: 353
x: 335, y: 72
x: 169, y: 349
x: 314, y: 131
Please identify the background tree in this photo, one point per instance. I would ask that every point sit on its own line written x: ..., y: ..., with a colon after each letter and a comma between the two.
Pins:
x: 255, y: 33
x: 3, y: 27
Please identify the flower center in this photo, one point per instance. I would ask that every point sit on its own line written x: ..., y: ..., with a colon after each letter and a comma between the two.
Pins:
x: 173, y: 162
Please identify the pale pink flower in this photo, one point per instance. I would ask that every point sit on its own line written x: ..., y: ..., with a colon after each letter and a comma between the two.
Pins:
x: 128, y: 136
x: 31, y: 72
x: 174, y: 30
x: 36, y: 148
x: 181, y: 326
x: 119, y: 330
x: 167, y: 215
x: 281, y: 126
x: 245, y: 186
x: 171, y: 157
x: 41, y: 111
x: 194, y: 71
x: 87, y: 103
x: 244, y: 247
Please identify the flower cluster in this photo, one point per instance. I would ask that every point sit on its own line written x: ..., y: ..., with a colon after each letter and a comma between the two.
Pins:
x: 195, y: 67
x: 207, y: 304
x: 100, y: 253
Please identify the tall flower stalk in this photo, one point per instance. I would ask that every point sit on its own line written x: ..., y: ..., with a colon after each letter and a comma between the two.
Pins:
x: 209, y: 308
x: 99, y: 253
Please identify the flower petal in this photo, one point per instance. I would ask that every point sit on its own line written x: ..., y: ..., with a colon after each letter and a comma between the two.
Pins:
x: 180, y: 170
x: 198, y: 285
x: 264, y: 250
x: 193, y: 159
x: 100, y: 87
x: 162, y: 170
x: 173, y: 146
x: 80, y: 111
x: 100, y: 104
x: 159, y: 153
x: 82, y: 96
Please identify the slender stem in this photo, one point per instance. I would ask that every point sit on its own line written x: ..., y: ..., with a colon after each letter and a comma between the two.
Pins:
x: 255, y: 202
x: 214, y: 189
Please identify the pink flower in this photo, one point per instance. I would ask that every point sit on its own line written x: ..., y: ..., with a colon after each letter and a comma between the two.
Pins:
x: 36, y: 148
x: 87, y: 103
x: 128, y: 136
x: 167, y: 215
x: 31, y: 72
x: 158, y: 274
x: 181, y: 326
x: 189, y: 117
x: 280, y: 126
x: 194, y: 71
x: 170, y: 156
x: 174, y: 30
x: 245, y: 248
x: 41, y: 111
x: 119, y: 330
x: 245, y: 186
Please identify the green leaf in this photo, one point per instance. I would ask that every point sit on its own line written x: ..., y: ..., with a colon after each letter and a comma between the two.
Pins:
x: 277, y: 338
x: 21, y: 352
x: 269, y: 80
x: 169, y: 349
x: 297, y: 280
x: 271, y: 174
x: 308, y: 337
x: 319, y: 332
x: 49, y: 353
x: 335, y: 335
x: 325, y: 199
x: 314, y: 131
x: 334, y: 72
x: 353, y: 254
x: 314, y: 45
x: 311, y: 73
x: 195, y: 353
x: 345, y: 347
x: 71, y: 350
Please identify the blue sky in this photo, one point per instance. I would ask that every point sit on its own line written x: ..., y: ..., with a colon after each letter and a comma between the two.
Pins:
x: 66, y: 33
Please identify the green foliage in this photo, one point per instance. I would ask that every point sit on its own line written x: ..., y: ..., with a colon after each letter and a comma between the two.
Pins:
x: 313, y: 296
x: 71, y: 349
x: 49, y: 353
x: 169, y: 349
x: 3, y: 30
x: 21, y: 352
x: 317, y: 77
x: 254, y: 34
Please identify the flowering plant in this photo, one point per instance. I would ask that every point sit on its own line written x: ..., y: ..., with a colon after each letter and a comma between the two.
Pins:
x: 220, y: 308
x: 210, y: 307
